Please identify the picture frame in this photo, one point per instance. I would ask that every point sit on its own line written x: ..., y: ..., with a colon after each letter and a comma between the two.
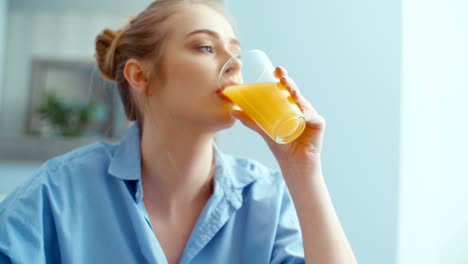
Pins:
x: 74, y: 85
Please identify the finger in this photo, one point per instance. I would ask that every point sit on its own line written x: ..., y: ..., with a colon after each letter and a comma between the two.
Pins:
x: 291, y: 86
x: 248, y: 122
x: 280, y: 72
x: 300, y: 100
x: 245, y: 119
x: 304, y: 105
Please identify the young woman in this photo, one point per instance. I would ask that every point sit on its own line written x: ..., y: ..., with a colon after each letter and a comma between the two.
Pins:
x: 165, y: 193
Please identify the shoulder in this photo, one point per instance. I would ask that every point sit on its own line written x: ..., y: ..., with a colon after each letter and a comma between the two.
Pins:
x: 79, y: 165
x: 96, y: 154
x: 59, y: 174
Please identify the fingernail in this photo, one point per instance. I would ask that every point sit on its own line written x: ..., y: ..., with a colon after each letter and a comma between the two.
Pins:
x: 283, y: 70
x: 284, y: 80
x: 278, y: 71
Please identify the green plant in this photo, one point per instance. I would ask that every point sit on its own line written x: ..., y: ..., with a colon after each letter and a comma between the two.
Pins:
x: 67, y: 119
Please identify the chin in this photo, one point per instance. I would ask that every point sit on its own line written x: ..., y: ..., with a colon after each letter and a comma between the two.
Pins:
x: 219, y: 117
x: 233, y: 120
x: 227, y: 121
x: 223, y: 121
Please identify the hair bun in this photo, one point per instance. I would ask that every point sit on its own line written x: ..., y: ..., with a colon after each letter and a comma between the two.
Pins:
x: 105, y: 52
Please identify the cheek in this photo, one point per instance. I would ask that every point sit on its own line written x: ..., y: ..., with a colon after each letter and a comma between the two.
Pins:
x: 194, y: 72
x: 189, y: 84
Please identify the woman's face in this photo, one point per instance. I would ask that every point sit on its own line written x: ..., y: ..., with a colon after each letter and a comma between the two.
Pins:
x: 199, y: 42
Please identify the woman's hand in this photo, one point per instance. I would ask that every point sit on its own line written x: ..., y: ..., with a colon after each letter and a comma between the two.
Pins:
x: 323, y: 237
x: 308, y: 146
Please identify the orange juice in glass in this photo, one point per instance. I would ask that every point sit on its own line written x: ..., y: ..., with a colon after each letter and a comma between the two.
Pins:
x: 262, y: 97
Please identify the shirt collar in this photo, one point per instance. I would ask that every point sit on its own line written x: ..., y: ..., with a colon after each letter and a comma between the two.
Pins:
x: 126, y: 163
x: 235, y: 173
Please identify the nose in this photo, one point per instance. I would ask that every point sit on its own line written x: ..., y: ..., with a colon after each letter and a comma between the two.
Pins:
x: 233, y: 65
x: 231, y: 71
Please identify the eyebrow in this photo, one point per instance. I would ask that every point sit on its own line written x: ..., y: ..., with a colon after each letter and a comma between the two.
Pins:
x: 213, y: 34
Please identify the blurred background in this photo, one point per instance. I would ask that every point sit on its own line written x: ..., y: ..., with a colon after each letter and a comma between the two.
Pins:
x: 390, y: 77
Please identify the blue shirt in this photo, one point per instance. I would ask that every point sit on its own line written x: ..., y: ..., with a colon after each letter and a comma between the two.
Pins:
x: 86, y: 207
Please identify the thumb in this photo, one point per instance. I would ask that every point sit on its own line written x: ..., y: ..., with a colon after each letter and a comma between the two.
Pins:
x: 248, y: 122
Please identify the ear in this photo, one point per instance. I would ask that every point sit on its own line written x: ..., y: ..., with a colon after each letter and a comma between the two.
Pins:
x: 136, y: 75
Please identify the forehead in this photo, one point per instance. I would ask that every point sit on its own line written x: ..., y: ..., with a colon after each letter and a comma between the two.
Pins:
x: 196, y: 17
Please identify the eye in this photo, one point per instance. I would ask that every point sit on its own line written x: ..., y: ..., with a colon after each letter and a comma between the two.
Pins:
x: 206, y: 48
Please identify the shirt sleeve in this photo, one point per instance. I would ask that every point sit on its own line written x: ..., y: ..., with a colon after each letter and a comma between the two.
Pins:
x: 288, y: 246
x: 19, y: 241
x: 26, y: 227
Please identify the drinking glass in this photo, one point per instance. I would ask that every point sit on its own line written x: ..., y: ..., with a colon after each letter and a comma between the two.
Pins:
x: 249, y: 82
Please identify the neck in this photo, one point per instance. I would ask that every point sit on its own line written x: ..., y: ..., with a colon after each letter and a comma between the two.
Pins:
x: 176, y: 173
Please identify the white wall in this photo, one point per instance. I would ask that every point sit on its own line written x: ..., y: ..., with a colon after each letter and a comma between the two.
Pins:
x: 345, y: 56
x: 3, y: 25
x: 434, y: 130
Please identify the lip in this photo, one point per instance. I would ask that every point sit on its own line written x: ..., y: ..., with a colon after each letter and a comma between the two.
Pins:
x: 220, y: 93
x: 220, y: 90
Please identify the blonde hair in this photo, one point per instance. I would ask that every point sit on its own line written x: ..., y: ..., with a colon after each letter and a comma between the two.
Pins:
x: 141, y: 38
